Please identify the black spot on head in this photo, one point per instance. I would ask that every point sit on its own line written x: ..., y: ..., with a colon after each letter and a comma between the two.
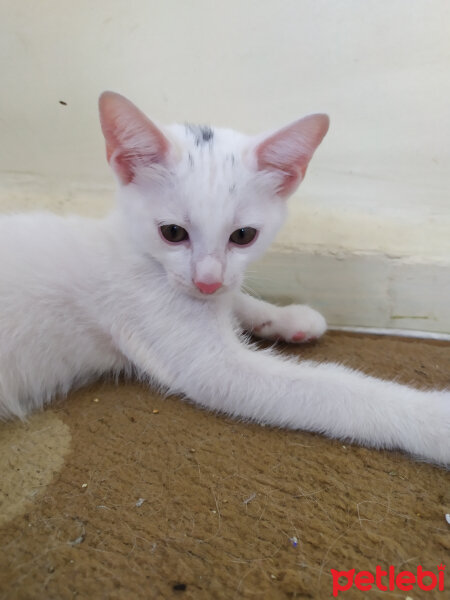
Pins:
x: 202, y: 133
x: 232, y: 188
x: 207, y: 133
x: 191, y: 160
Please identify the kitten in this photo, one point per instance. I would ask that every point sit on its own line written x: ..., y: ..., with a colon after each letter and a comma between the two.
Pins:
x: 154, y: 289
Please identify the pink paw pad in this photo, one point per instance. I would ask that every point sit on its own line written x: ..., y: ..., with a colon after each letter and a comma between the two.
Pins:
x: 299, y: 336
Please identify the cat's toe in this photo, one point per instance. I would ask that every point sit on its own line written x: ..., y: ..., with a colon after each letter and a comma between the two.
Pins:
x: 302, y: 324
x: 300, y: 336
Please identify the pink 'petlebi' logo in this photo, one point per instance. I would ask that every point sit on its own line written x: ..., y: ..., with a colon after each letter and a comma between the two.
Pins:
x: 388, y: 580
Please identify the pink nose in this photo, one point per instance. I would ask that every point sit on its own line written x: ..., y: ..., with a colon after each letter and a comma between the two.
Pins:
x: 208, y: 288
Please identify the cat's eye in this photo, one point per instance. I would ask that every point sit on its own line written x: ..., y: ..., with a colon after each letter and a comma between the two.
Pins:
x: 243, y: 236
x: 174, y: 233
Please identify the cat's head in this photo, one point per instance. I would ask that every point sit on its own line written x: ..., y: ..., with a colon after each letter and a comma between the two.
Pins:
x: 204, y: 202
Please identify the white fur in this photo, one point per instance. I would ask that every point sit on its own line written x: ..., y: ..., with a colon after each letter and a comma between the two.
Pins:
x: 80, y: 298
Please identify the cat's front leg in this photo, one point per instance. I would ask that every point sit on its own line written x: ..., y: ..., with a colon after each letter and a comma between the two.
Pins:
x: 196, y: 354
x: 294, y: 323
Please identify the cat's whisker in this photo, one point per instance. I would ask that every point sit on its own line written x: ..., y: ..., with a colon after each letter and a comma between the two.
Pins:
x: 250, y: 291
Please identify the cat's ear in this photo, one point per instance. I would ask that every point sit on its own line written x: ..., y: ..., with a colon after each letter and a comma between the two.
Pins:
x: 132, y: 140
x: 288, y: 151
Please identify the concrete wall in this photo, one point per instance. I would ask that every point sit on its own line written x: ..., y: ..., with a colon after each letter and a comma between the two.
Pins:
x: 369, y: 236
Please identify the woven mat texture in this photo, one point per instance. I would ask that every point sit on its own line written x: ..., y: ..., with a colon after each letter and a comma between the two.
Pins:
x: 118, y: 493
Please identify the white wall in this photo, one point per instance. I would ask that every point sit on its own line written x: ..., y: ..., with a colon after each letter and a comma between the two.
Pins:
x: 378, y: 189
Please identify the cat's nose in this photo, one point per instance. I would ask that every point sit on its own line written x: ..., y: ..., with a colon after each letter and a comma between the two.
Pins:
x: 208, y: 288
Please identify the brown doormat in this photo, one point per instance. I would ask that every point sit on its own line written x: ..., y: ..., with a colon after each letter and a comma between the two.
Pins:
x: 119, y: 493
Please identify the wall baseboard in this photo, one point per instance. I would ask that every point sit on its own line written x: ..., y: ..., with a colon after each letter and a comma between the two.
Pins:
x: 355, y: 291
x: 406, y: 333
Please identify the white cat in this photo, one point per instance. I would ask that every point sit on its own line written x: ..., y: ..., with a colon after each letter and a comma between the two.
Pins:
x: 154, y: 289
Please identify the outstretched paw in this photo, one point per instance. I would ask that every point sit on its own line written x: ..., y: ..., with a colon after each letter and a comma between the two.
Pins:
x: 295, y: 324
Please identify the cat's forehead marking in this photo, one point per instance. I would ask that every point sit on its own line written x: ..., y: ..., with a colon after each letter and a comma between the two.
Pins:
x: 203, y: 134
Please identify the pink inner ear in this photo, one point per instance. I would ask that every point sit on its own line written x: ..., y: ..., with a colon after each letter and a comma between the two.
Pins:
x: 132, y: 140
x: 289, y: 150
